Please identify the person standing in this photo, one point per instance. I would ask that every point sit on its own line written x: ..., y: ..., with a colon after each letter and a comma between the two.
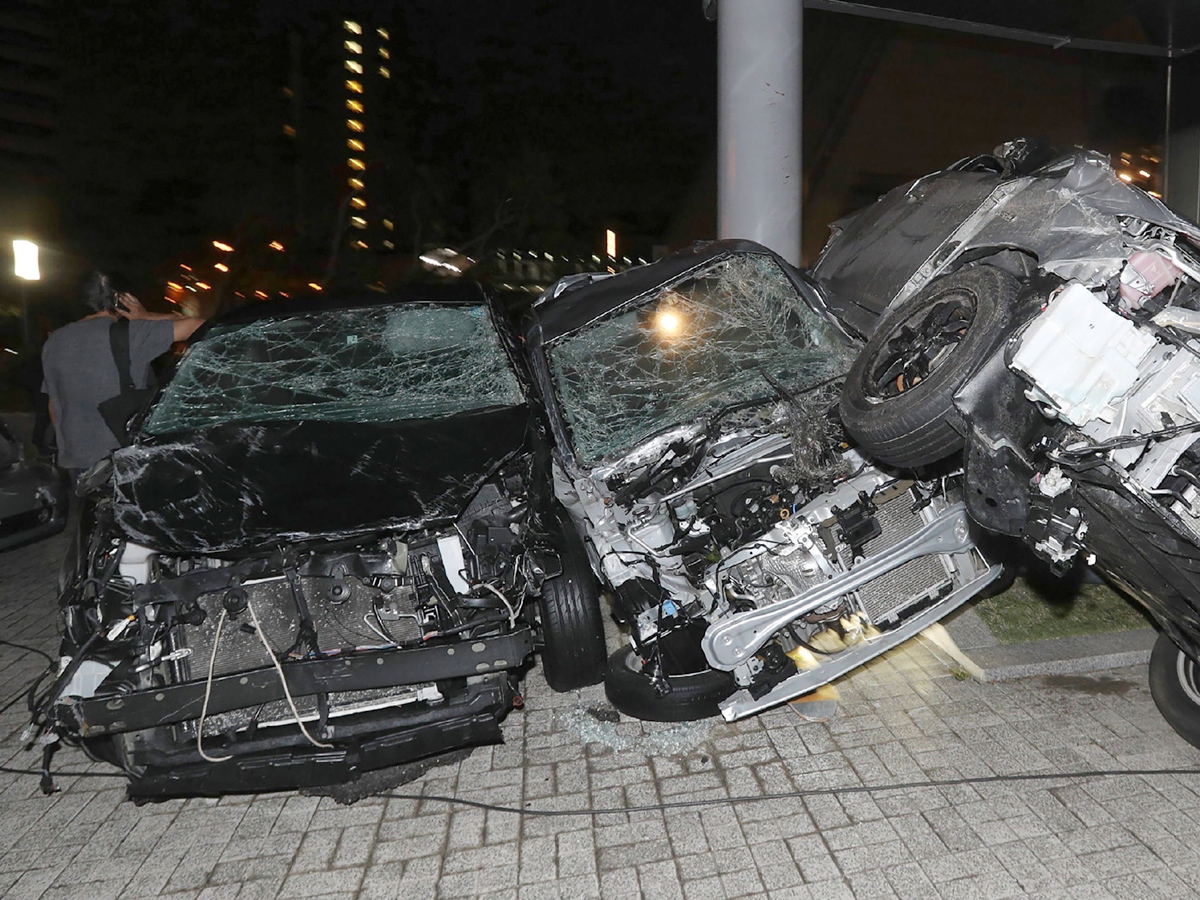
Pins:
x: 80, y: 371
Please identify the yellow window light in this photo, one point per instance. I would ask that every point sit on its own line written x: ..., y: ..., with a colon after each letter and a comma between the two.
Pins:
x: 356, y: 164
x: 389, y: 245
x: 385, y: 53
x: 221, y: 267
x: 354, y: 125
x: 354, y: 105
x: 275, y: 245
x: 385, y: 72
x: 358, y: 221
x: 355, y: 67
x: 289, y: 130
x: 315, y: 286
x: 185, y: 266
x: 354, y: 87
x: 203, y: 286
x: 355, y: 144
x: 353, y: 46
x: 361, y: 245
x: 387, y: 223
x: 352, y: 27
x: 1125, y: 176
x: 175, y: 287
x: 356, y: 183
x: 1143, y: 173
x: 358, y: 202
x: 261, y: 295
x: 383, y: 33
x: 221, y: 246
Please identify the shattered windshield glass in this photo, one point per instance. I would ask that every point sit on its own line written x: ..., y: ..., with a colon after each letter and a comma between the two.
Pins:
x: 379, y: 364
x: 709, y: 340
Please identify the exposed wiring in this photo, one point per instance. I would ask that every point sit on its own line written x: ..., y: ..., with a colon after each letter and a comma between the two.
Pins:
x: 283, y: 679
x: 788, y: 795
x: 212, y: 662
x: 512, y: 611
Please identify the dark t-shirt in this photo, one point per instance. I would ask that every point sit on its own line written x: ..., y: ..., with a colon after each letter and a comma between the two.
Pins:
x: 81, y: 373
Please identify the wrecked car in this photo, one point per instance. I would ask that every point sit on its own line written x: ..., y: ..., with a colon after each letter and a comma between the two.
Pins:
x: 1043, y: 333
x: 33, y: 495
x: 752, y: 551
x: 330, y: 549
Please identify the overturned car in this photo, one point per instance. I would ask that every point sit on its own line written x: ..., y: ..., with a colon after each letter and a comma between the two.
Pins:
x: 330, y: 549
x: 752, y: 551
x: 1042, y: 332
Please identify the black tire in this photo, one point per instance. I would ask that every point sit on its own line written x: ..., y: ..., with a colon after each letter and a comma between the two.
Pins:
x: 694, y: 696
x: 897, y: 398
x: 1175, y: 687
x: 573, y: 648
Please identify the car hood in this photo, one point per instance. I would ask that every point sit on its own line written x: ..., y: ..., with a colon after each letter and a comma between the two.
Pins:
x: 1067, y: 214
x: 248, y: 487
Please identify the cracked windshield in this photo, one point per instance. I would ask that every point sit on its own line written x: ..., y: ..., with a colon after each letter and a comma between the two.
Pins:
x: 382, y: 364
x: 707, y: 341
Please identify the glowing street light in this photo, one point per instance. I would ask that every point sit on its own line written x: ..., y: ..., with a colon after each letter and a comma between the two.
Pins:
x: 25, y: 260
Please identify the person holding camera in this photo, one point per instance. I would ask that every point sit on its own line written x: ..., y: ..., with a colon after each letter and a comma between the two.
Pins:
x: 81, y: 368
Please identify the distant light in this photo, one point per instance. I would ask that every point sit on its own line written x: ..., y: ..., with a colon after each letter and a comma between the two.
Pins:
x: 354, y: 87
x: 356, y: 183
x: 1125, y: 176
x: 25, y: 260
x: 352, y: 27
x: 221, y: 267
x: 172, y: 302
x: 354, y: 105
x: 203, y: 286
x: 358, y: 221
x: 220, y: 246
x: 389, y: 245
x: 610, y: 243
x: 262, y: 295
x: 185, y: 266
x: 315, y: 286
x: 12, y: 351
x: 353, y: 46
x: 358, y: 202
x: 284, y: 294
x: 385, y: 71
x: 361, y: 245
x: 355, y: 67
x: 355, y: 144
x: 356, y: 164
x: 354, y: 125
x: 383, y: 51
x: 1155, y: 194
x: 275, y: 245
x: 1143, y: 173
x: 387, y: 223
x: 289, y: 130
x: 383, y: 33
x: 175, y: 287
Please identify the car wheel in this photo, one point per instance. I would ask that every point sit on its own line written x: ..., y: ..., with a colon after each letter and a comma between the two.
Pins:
x: 1175, y: 687
x: 692, y: 696
x: 572, y: 623
x: 897, y: 398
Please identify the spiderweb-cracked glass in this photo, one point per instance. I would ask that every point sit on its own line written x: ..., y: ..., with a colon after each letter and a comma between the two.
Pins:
x: 380, y: 364
x: 709, y: 340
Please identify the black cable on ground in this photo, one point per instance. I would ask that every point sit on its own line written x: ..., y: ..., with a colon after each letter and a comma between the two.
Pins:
x: 11, y: 771
x: 28, y: 649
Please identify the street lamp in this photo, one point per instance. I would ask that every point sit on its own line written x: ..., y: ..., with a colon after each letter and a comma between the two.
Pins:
x: 25, y: 267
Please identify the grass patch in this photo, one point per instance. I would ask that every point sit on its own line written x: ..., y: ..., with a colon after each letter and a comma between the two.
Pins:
x: 1041, y: 610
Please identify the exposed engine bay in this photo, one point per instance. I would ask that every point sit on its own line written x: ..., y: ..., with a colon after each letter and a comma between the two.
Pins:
x: 736, y: 553
x: 302, y: 666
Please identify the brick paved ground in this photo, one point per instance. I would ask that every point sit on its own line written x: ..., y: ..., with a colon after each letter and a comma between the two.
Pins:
x: 904, y: 718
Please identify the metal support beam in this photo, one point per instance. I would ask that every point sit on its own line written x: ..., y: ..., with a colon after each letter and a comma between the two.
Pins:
x: 759, y: 177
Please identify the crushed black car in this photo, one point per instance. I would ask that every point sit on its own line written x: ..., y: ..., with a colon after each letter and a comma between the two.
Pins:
x: 330, y: 549
x: 752, y: 551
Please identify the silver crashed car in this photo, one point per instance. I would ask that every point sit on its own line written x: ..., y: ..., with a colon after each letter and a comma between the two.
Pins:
x: 752, y: 551
x: 33, y: 495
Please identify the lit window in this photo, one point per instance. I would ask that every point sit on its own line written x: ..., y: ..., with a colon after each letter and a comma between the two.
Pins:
x: 383, y: 33
x: 275, y: 245
x: 354, y: 125
x: 385, y: 71
x: 287, y: 91
x: 222, y: 247
x: 354, y: 105
x: 352, y: 27
x: 355, y: 144
x: 385, y: 53
x: 389, y: 245
x: 353, y: 46
x: 221, y: 267
x: 356, y: 183
x: 261, y: 295
x: 175, y: 287
x: 358, y: 221
x: 315, y: 286
x: 361, y: 245
x: 289, y: 130
x: 356, y: 164
x: 354, y: 87
x: 355, y: 67
x: 358, y: 202
x: 203, y: 286
x: 387, y: 223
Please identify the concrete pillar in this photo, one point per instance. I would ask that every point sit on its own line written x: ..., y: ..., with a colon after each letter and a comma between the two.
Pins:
x: 759, y: 180
x: 1183, y: 137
